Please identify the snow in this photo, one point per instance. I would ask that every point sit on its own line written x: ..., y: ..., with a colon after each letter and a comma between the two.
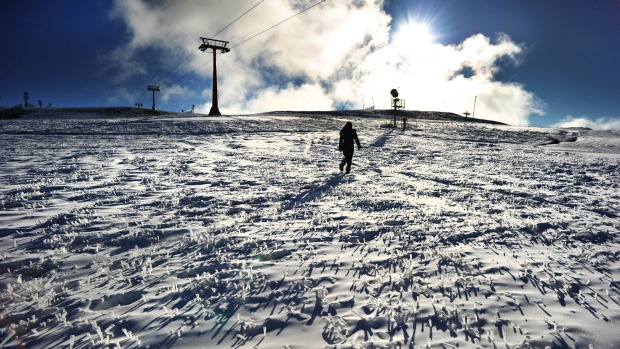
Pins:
x: 184, y: 232
x: 595, y: 142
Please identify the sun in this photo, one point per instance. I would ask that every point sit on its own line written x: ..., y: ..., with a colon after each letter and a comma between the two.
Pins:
x: 414, y: 35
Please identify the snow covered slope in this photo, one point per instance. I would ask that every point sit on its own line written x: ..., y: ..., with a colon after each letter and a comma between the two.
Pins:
x: 241, y: 232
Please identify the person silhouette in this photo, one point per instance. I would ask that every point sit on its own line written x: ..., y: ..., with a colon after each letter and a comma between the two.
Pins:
x: 348, y: 135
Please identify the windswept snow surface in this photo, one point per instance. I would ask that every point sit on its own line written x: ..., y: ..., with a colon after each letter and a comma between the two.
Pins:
x: 241, y: 232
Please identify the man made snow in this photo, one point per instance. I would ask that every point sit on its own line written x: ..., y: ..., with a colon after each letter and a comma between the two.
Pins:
x: 241, y: 232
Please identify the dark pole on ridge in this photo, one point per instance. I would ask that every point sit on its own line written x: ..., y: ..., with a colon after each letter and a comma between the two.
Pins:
x: 215, y: 109
x: 153, y: 89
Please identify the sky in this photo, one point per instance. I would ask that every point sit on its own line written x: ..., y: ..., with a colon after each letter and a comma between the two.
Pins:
x: 523, y: 62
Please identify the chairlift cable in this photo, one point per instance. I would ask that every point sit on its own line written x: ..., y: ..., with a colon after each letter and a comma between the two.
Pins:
x: 254, y: 36
x: 177, y: 66
x: 275, y: 25
x: 231, y: 23
x: 216, y: 34
x: 192, y: 72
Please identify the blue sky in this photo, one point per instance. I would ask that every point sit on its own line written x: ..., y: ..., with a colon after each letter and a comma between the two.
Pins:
x: 528, y: 62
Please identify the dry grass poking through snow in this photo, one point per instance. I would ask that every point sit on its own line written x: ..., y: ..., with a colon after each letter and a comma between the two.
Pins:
x: 241, y: 232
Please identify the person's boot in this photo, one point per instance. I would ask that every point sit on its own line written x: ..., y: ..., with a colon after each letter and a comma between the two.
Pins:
x: 348, y: 170
x: 341, y: 167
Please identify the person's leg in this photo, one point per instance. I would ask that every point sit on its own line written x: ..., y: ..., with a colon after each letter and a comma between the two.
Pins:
x: 348, y: 156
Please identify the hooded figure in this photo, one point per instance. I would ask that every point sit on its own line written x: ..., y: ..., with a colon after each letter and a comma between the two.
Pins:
x: 347, y: 136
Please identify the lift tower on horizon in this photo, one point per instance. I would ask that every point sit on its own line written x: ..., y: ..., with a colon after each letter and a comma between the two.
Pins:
x: 153, y: 89
x: 215, y: 45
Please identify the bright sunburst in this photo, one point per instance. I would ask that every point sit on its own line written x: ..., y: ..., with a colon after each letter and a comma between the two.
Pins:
x: 414, y: 35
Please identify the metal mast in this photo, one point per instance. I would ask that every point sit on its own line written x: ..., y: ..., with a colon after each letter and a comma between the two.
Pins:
x: 474, y: 113
x: 154, y: 89
x: 215, y: 45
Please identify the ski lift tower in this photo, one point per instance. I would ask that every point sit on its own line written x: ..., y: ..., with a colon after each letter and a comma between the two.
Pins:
x: 215, y: 45
x: 154, y: 89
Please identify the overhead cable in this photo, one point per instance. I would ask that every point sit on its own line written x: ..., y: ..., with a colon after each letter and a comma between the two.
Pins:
x: 216, y: 34
x: 254, y: 36
x: 275, y: 25
x: 231, y: 23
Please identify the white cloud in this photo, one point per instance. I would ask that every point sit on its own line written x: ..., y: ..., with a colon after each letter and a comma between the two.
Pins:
x: 336, y: 52
x: 304, y: 97
x: 171, y: 91
x: 122, y: 95
x: 429, y: 80
x: 603, y: 123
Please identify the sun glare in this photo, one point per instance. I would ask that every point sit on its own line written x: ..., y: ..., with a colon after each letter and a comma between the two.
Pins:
x: 414, y: 35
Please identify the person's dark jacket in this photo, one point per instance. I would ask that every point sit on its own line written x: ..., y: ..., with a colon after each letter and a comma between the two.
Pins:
x: 348, y: 135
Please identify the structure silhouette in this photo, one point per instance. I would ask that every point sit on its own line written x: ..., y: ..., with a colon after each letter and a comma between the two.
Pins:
x: 214, y: 45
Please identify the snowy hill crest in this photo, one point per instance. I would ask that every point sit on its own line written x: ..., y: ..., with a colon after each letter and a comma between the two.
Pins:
x: 241, y: 231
